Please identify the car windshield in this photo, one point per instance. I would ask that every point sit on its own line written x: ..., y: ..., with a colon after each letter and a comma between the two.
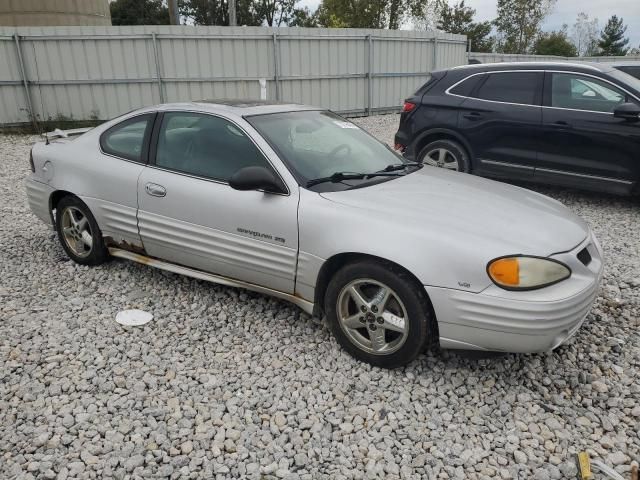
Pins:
x: 325, y: 152
x: 626, y: 78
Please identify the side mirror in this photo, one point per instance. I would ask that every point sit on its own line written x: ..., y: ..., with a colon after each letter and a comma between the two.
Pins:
x: 589, y: 93
x: 628, y: 111
x: 256, y: 178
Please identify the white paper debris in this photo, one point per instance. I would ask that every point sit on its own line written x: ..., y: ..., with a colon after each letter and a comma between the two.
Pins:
x: 133, y: 318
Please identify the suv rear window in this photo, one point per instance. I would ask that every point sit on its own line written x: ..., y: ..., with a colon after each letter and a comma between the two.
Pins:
x: 510, y: 87
x: 467, y: 85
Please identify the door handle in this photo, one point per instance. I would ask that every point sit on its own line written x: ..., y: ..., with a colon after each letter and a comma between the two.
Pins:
x: 473, y: 116
x: 562, y: 125
x: 155, y: 190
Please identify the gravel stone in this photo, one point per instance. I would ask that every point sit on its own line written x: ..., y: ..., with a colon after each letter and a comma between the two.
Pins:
x: 226, y: 383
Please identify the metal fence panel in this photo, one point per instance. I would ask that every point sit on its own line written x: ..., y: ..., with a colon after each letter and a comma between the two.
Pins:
x: 86, y: 73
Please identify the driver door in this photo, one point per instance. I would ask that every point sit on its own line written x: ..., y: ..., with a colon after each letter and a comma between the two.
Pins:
x: 189, y: 215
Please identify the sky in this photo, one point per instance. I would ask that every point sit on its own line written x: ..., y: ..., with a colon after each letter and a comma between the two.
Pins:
x: 565, y: 11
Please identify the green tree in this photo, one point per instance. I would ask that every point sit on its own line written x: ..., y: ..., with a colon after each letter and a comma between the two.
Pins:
x: 353, y: 13
x: 459, y: 19
x: 216, y: 12
x: 518, y: 23
x: 139, y: 12
x: 612, y: 41
x: 303, y: 17
x: 555, y: 43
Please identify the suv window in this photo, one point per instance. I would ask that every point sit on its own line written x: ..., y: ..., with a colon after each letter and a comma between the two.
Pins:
x: 205, y: 146
x: 579, y: 92
x: 465, y: 87
x: 510, y: 87
x: 128, y: 138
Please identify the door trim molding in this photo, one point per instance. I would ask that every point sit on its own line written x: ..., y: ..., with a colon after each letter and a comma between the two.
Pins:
x: 210, y: 277
x: 583, y: 175
x: 506, y: 164
x: 555, y: 172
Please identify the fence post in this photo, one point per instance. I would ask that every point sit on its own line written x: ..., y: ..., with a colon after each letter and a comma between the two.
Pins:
x: 157, y: 61
x: 435, y: 53
x: 276, y: 64
x: 369, y: 73
x: 25, y: 82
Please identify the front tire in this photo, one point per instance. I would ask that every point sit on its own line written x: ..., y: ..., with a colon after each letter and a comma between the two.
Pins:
x: 79, y: 233
x: 445, y: 154
x: 378, y: 313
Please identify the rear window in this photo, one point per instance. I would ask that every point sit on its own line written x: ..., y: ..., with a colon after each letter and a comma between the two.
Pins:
x: 510, y: 87
x: 466, y: 86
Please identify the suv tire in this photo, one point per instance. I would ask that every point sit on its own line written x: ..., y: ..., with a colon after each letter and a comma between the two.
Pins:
x: 445, y: 154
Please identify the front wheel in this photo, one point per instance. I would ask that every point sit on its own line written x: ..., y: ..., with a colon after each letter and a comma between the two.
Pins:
x: 78, y: 232
x: 445, y: 154
x: 378, y: 313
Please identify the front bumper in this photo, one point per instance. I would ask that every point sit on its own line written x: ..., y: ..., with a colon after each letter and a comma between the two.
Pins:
x: 38, y: 195
x: 520, y: 322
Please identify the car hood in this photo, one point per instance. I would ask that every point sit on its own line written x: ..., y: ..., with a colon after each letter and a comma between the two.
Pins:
x: 493, y: 215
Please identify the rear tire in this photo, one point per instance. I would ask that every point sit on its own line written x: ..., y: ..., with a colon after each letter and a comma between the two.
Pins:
x: 79, y: 233
x: 446, y: 154
x: 378, y: 313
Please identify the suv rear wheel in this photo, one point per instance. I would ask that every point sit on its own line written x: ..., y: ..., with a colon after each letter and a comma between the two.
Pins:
x: 378, y: 313
x: 445, y: 154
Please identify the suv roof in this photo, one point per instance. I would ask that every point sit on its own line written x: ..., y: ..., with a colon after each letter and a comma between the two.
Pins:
x: 583, y: 66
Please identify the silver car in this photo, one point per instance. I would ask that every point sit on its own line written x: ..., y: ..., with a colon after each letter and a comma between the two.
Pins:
x: 299, y: 203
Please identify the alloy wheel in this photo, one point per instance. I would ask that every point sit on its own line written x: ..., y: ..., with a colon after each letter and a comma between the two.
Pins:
x: 443, y: 158
x: 373, y: 316
x: 76, y: 231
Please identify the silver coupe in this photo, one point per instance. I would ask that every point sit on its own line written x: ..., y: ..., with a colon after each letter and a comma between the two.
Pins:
x: 299, y: 203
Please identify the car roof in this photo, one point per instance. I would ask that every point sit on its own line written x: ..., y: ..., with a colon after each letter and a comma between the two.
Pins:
x: 579, y: 66
x: 238, y: 107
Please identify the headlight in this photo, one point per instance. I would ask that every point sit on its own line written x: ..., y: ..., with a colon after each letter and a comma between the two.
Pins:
x: 526, y: 273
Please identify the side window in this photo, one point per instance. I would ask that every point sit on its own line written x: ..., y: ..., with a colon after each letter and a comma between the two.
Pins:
x: 127, y: 139
x: 465, y: 87
x: 205, y: 146
x: 510, y: 87
x: 579, y: 92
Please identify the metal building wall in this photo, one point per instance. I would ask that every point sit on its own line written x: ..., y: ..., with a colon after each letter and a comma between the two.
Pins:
x: 83, y: 73
x: 54, y: 12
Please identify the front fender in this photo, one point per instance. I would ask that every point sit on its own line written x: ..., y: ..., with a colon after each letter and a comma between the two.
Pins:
x: 328, y: 229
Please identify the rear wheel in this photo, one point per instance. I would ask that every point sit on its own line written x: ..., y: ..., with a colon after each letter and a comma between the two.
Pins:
x: 445, y: 154
x: 78, y: 232
x: 378, y: 313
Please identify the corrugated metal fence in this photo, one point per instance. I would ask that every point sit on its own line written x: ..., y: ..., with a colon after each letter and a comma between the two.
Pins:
x: 508, y: 57
x: 80, y: 73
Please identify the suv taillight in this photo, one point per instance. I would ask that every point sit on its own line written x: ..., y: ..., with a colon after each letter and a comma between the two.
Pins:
x: 33, y: 167
x: 408, y: 106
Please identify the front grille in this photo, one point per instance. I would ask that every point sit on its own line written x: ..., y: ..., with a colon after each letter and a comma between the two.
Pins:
x: 584, y: 256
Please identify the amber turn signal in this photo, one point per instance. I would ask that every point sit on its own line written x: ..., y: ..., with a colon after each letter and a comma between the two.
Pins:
x: 505, y: 271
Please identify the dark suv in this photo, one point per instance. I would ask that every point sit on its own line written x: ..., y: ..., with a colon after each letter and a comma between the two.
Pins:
x: 575, y: 125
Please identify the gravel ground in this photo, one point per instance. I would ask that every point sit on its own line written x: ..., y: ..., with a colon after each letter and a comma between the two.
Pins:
x: 225, y: 383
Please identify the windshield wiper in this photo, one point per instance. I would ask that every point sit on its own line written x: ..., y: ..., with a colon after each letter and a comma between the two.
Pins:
x: 340, y: 176
x: 400, y: 166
